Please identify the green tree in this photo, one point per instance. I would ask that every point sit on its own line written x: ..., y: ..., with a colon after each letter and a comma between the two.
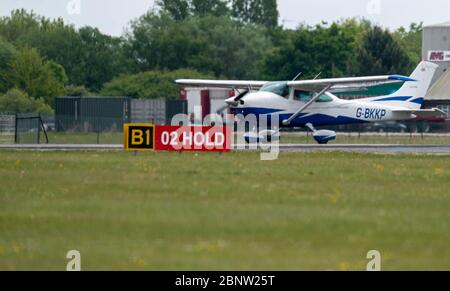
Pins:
x: 177, y: 9
x: 17, y: 101
x: 7, y: 52
x: 158, y: 42
x: 151, y: 84
x: 207, y: 44
x: 325, y: 49
x: 264, y: 12
x: 38, y: 78
x: 19, y: 22
x: 230, y: 49
x: 89, y: 57
x: 182, y: 9
x: 103, y: 58
x: 77, y: 91
x: 380, y: 53
x: 209, y: 8
x: 411, y: 41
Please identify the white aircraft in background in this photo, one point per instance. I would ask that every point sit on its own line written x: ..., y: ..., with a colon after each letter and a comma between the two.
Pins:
x: 310, y: 103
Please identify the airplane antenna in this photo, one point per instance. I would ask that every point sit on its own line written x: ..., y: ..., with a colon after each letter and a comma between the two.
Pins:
x: 298, y: 75
x: 317, y: 76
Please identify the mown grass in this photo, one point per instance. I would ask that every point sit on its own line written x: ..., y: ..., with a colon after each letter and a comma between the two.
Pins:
x: 170, y: 211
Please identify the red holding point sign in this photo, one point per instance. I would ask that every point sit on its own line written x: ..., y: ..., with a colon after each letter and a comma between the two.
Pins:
x: 193, y: 138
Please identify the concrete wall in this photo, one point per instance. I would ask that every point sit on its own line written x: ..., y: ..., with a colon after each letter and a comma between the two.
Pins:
x: 148, y: 111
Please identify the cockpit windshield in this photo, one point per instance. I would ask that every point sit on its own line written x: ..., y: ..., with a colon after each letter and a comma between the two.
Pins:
x: 279, y: 88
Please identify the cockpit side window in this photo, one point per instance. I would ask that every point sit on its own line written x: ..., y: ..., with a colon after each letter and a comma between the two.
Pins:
x: 305, y: 96
x: 278, y: 88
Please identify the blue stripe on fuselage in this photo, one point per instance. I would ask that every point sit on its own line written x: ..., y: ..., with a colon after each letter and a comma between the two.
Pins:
x: 418, y: 101
x: 323, y: 119
x: 315, y: 119
x: 398, y: 98
x: 402, y: 98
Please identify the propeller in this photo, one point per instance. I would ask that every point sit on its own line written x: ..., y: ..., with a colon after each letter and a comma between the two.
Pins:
x: 233, y: 101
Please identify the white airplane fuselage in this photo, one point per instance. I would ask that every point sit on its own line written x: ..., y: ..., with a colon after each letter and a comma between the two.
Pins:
x: 335, y: 111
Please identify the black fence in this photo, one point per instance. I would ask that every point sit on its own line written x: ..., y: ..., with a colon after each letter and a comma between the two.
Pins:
x: 27, y: 128
x: 109, y: 114
x: 91, y: 114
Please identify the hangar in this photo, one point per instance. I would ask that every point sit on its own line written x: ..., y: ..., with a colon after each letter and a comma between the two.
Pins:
x: 436, y: 49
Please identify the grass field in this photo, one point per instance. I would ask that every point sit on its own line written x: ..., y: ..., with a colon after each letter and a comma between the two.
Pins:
x: 314, y: 211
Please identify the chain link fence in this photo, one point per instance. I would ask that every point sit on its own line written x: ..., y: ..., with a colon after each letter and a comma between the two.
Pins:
x: 7, y: 128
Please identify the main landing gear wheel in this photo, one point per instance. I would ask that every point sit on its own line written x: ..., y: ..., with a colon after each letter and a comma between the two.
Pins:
x: 321, y: 136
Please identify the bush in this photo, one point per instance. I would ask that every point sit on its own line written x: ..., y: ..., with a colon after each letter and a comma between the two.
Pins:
x: 34, y: 75
x: 17, y: 101
x: 7, y: 52
x: 77, y: 91
x: 151, y: 85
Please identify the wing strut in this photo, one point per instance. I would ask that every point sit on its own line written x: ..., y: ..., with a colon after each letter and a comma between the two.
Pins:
x: 296, y: 114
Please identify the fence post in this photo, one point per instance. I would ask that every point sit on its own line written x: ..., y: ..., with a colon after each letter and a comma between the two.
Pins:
x: 39, y: 129
x: 97, y: 126
x: 43, y: 128
x: 16, y: 139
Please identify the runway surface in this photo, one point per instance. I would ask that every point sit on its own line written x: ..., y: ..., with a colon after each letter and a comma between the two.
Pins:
x: 365, y: 148
x: 62, y: 147
x: 379, y: 148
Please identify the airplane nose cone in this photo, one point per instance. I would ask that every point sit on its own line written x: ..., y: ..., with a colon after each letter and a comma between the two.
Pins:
x: 232, y: 102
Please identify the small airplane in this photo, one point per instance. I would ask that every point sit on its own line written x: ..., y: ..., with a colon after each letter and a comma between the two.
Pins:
x: 311, y: 103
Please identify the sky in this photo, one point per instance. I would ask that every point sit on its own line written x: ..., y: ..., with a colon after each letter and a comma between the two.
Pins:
x: 112, y: 16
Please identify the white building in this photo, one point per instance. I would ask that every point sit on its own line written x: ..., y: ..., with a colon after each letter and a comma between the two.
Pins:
x: 436, y: 49
x: 204, y: 101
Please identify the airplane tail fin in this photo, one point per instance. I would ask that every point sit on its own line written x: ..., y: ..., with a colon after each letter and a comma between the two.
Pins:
x: 412, y: 94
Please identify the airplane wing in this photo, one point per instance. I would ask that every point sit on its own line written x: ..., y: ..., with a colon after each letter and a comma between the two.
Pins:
x: 334, y: 85
x: 434, y: 112
x: 337, y: 84
x: 221, y: 84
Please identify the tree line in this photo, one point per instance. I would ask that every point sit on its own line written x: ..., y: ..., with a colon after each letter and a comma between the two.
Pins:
x: 42, y: 58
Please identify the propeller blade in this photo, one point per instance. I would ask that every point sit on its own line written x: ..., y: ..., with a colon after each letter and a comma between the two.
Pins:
x: 241, y: 95
x: 234, y: 101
